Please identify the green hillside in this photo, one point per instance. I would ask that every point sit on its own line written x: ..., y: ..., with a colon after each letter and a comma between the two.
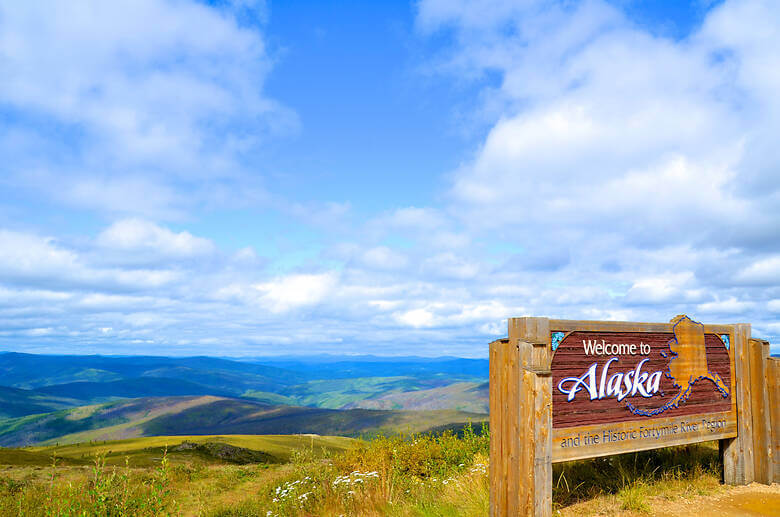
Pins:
x: 147, y: 451
x: 129, y: 388
x: 35, y: 371
x: 463, y: 396
x: 16, y: 402
x: 59, y: 382
x: 340, y: 393
x: 42, y: 458
x: 209, y: 415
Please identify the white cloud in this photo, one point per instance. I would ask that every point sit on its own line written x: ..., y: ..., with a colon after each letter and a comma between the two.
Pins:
x: 763, y: 271
x: 623, y: 176
x: 130, y: 235
x: 415, y: 218
x: 25, y: 255
x: 298, y: 290
x: 659, y: 289
x: 144, y: 99
x: 382, y: 257
x: 606, y: 127
x: 729, y: 306
x: 450, y: 265
x: 417, y: 318
x: 645, y: 164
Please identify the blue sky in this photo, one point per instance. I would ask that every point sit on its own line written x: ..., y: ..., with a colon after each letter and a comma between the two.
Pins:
x: 245, y: 178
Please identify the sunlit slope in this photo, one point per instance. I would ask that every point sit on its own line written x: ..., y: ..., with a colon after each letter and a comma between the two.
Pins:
x: 24, y: 457
x: 463, y: 396
x: 208, y: 415
x: 148, y: 450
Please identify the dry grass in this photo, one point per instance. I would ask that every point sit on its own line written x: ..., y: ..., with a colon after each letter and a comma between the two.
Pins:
x: 433, y: 475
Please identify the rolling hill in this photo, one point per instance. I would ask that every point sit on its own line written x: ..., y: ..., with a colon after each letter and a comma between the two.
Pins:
x: 129, y: 388
x: 463, y: 396
x: 59, y: 382
x: 34, y: 371
x: 15, y: 402
x: 209, y: 415
x: 147, y: 451
x: 68, y: 399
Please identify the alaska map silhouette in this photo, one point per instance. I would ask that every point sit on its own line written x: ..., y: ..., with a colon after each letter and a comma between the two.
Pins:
x: 687, y: 364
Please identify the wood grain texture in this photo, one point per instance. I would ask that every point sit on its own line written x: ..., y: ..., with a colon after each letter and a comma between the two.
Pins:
x: 704, y: 403
x: 743, y: 469
x: 526, y: 437
x: 759, y: 402
x: 773, y: 392
x: 634, y: 438
x: 506, y: 429
x: 531, y: 330
x: 625, y: 326
x: 496, y: 421
x: 729, y: 455
x: 503, y: 404
x: 542, y: 426
x: 521, y: 436
x: 570, y: 360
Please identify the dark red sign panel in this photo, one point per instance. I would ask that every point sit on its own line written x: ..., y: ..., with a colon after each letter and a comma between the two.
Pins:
x: 609, y: 377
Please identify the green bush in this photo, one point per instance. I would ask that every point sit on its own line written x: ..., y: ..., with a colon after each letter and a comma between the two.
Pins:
x: 104, y: 493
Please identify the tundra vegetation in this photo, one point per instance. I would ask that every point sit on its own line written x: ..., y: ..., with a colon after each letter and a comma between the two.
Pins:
x: 434, y: 474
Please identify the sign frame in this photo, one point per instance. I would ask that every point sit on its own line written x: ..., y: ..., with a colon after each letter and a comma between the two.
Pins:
x: 693, y: 435
x: 521, y: 411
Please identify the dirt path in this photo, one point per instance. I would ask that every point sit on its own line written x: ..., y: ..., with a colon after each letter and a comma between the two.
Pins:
x: 743, y: 501
x: 754, y: 500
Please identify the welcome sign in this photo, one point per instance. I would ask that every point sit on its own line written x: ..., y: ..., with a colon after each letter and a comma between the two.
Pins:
x: 564, y: 390
x: 616, y: 390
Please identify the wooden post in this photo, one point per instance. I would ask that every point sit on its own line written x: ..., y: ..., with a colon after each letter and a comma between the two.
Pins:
x: 773, y: 388
x: 504, y: 425
x: 760, y: 409
x: 521, y: 421
x: 738, y: 464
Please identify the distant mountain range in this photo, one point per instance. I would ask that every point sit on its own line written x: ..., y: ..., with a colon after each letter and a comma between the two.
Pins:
x: 75, y: 398
x: 208, y: 415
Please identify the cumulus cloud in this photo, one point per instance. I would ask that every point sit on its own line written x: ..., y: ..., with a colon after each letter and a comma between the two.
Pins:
x: 292, y: 291
x: 642, y: 162
x: 134, y: 235
x: 138, y: 100
x: 623, y: 175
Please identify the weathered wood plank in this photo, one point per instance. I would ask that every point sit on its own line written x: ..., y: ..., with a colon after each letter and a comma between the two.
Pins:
x: 529, y: 432
x: 526, y: 442
x: 531, y: 330
x: 773, y: 389
x: 744, y: 468
x: 542, y: 425
x: 625, y: 326
x: 640, y: 436
x: 496, y: 421
x: 759, y: 402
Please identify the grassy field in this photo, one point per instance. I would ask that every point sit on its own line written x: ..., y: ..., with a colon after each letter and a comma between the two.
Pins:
x: 419, y: 475
x: 147, y: 451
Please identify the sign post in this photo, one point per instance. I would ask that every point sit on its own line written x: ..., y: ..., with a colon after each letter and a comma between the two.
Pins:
x: 563, y: 390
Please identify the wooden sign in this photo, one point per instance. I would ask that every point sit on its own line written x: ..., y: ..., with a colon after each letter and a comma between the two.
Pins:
x: 625, y: 389
x: 563, y: 390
